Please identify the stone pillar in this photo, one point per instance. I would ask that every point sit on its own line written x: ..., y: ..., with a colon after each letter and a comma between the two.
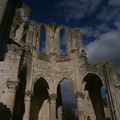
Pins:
x: 51, y: 39
x: 8, y: 97
x: 53, y: 106
x: 48, y: 39
x: 80, y: 105
x: 60, y: 112
x: 27, y: 101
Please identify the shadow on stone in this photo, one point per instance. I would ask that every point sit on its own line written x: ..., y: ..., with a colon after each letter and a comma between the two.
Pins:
x: 5, y: 113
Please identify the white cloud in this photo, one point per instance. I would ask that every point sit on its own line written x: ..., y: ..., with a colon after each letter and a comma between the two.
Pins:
x: 96, y: 32
x: 117, y: 23
x: 106, y: 47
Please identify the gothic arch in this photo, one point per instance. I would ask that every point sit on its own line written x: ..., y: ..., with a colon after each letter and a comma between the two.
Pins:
x: 39, y: 99
x: 69, y: 79
x: 38, y: 77
x: 62, y: 97
x: 62, y: 28
x: 90, y: 72
x: 92, y: 84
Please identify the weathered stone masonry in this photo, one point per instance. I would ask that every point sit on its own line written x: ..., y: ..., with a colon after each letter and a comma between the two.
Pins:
x: 29, y: 78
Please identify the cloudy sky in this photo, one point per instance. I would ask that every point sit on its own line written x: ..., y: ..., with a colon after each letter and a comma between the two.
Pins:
x: 99, y: 21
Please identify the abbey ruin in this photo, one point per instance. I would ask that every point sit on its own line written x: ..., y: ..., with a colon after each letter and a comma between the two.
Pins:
x: 29, y: 78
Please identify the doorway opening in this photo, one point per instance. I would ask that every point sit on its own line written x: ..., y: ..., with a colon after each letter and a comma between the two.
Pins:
x: 93, y: 88
x: 66, y: 102
x: 40, y: 100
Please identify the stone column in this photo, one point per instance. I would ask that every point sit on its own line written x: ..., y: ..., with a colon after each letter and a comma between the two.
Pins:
x: 60, y: 112
x: 48, y: 39
x: 27, y: 101
x: 8, y: 97
x: 53, y: 106
x: 80, y: 105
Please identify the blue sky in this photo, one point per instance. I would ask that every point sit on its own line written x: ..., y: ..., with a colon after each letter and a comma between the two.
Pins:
x: 99, y: 21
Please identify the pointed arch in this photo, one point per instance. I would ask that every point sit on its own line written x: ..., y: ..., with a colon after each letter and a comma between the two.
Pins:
x: 90, y: 73
x: 40, y: 96
x: 41, y: 82
x: 65, y: 97
x: 92, y: 87
x: 68, y: 79
x: 38, y: 77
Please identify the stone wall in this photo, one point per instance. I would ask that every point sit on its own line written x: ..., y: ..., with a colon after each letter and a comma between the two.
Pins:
x: 7, y: 10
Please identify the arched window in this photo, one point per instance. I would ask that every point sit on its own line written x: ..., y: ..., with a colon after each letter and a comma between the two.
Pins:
x: 63, y: 42
x: 93, y: 87
x: 42, y: 39
x: 39, y: 100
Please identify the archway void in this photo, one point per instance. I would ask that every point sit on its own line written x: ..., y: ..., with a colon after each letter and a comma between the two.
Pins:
x: 65, y: 98
x: 63, y: 42
x: 104, y: 96
x: 40, y: 95
x: 93, y: 86
x: 42, y: 40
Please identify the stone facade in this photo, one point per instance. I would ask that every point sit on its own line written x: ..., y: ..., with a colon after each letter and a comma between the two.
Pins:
x: 29, y: 78
x: 7, y: 10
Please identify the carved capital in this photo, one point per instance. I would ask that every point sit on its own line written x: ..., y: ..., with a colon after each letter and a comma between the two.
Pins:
x: 28, y: 93
x: 11, y: 86
x: 53, y: 54
x: 53, y: 97
x: 82, y: 54
x: 79, y: 95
